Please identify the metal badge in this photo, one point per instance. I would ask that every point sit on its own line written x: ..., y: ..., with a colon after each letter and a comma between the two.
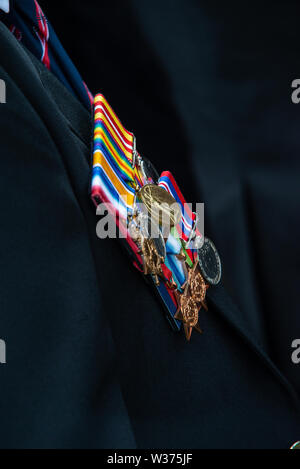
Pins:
x: 210, y: 262
x: 190, y: 301
x: 161, y: 206
x: 152, y: 245
x: 188, y: 314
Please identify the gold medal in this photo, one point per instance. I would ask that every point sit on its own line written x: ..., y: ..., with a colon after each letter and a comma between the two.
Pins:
x: 161, y: 206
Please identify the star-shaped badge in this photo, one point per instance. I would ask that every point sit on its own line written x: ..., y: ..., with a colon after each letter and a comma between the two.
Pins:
x: 190, y: 301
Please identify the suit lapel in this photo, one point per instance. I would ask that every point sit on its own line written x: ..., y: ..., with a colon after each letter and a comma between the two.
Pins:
x: 224, y: 306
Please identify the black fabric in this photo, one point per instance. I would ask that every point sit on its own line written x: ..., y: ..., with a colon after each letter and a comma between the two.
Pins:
x: 59, y: 387
x: 78, y: 118
x: 91, y: 361
x: 206, y: 87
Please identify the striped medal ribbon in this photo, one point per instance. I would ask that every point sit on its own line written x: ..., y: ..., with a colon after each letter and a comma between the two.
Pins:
x: 114, y: 177
x: 117, y: 177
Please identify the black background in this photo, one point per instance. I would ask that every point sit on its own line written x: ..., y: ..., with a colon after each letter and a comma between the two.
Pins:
x: 206, y: 87
x: 91, y: 362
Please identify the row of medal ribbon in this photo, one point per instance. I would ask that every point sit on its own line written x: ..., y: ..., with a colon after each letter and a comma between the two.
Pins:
x: 158, y: 226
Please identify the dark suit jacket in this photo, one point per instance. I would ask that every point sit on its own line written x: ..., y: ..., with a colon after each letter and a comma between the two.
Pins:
x: 91, y: 361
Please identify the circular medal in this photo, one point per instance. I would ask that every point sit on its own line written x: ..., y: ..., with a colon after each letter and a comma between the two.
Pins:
x: 210, y: 262
x: 197, y: 243
x: 161, y: 206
